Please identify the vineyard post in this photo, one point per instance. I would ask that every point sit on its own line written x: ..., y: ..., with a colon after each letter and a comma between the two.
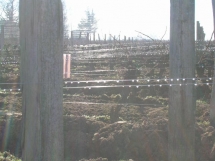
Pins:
x: 94, y: 37
x: 114, y: 41
x: 105, y: 39
x: 132, y: 41
x: 182, y: 102
x: 129, y: 42
x: 80, y: 35
x: 88, y: 37
x: 109, y: 39
x: 2, y: 38
x: 212, y: 103
x: 71, y: 39
x: 42, y: 79
x: 99, y: 38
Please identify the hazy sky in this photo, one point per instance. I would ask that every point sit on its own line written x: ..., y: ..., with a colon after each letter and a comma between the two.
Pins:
x: 125, y: 16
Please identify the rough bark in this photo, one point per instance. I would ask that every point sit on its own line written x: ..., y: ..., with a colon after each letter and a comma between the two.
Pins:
x: 212, y: 102
x: 41, y: 41
x: 181, y: 134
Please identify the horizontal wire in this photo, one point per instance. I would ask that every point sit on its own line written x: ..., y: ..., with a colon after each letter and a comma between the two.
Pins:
x: 122, y: 86
x: 10, y: 90
x: 11, y: 83
x: 122, y: 62
x: 137, y: 80
x: 117, y: 70
x: 130, y: 85
x: 137, y: 86
x: 113, y: 71
x: 131, y: 80
x: 119, y: 86
x: 118, y: 56
x: 85, y: 74
x: 4, y: 63
x: 122, y: 104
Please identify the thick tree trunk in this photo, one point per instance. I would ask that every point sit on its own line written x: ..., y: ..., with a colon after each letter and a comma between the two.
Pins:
x: 41, y: 40
x: 212, y: 103
x: 181, y: 136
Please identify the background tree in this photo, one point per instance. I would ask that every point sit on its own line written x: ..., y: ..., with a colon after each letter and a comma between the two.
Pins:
x: 9, y: 10
x: 181, y: 134
x: 89, y: 23
x: 41, y: 45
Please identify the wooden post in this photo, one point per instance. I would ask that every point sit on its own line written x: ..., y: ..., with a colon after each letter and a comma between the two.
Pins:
x: 212, y: 103
x: 80, y: 35
x: 181, y: 126
x: 94, y: 37
x: 129, y: 42
x: 72, y: 38
x: 114, y: 41
x: 105, y: 38
x: 2, y: 37
x: 87, y: 38
x: 42, y: 79
x: 99, y: 38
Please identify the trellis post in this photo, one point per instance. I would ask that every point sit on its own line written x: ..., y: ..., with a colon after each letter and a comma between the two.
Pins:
x: 42, y: 80
x: 2, y: 38
x: 182, y: 102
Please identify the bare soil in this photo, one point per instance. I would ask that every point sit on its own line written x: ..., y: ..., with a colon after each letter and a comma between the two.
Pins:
x: 93, y: 129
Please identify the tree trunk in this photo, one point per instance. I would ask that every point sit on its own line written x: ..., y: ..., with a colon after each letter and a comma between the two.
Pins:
x: 181, y: 135
x: 212, y: 103
x: 41, y: 41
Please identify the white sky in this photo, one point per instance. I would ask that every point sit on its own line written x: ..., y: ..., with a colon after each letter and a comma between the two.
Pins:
x: 123, y: 17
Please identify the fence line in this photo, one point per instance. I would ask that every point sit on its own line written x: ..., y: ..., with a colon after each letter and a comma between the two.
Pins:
x: 118, y: 86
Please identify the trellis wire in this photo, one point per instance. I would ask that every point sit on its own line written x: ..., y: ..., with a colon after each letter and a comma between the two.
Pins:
x: 121, y: 86
x: 132, y: 80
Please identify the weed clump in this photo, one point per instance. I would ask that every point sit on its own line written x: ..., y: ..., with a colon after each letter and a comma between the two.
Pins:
x: 6, y: 156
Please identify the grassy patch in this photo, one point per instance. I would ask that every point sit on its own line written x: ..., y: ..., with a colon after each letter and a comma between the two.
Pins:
x: 6, y: 156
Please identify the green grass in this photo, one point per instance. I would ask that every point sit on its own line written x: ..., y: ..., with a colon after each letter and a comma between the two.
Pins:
x: 6, y: 156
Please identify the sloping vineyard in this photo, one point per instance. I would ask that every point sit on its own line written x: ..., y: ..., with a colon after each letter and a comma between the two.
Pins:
x: 113, y: 87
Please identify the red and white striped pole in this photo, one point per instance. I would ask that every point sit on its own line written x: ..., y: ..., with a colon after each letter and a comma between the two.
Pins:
x: 66, y: 65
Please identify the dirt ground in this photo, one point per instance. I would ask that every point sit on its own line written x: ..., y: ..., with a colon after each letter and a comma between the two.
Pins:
x: 140, y: 133
x: 110, y: 124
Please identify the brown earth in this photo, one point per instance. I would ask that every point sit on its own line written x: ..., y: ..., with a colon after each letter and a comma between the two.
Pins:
x: 141, y: 135
x: 138, y: 132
